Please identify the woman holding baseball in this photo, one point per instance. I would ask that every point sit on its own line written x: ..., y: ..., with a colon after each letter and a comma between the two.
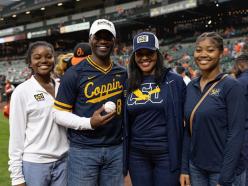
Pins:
x: 154, y: 117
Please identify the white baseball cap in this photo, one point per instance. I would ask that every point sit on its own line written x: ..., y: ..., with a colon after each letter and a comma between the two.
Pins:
x: 102, y: 24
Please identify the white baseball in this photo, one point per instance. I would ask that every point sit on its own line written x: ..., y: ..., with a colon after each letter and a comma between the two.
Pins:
x: 109, y: 106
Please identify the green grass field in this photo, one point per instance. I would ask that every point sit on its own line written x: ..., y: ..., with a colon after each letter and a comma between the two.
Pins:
x: 4, y: 139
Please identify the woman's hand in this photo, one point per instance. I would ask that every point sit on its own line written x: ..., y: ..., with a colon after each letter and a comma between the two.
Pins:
x: 184, y: 180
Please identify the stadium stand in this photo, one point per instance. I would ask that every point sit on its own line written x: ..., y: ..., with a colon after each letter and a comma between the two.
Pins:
x: 176, y: 27
x: 177, y: 23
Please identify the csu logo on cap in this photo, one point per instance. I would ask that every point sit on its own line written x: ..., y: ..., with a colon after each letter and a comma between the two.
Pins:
x: 143, y: 39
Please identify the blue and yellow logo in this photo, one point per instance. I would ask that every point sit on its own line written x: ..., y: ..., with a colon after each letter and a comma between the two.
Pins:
x: 215, y: 92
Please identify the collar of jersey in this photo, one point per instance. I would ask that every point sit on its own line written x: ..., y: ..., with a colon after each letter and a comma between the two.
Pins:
x: 98, y: 67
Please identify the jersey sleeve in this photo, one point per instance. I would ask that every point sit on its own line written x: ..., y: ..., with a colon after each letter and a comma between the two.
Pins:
x: 67, y: 91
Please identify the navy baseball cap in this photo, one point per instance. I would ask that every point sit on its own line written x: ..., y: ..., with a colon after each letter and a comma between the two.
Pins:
x: 146, y: 40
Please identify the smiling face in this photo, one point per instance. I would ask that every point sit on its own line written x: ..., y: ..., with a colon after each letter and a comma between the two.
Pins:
x: 102, y: 44
x: 146, y: 60
x: 42, y: 61
x: 207, y: 55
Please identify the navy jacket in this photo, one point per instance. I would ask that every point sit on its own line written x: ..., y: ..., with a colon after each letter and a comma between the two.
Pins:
x: 243, y: 79
x: 174, y: 89
x: 218, y: 128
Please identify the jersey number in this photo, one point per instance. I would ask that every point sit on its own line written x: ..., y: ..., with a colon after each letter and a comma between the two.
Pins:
x: 119, y: 106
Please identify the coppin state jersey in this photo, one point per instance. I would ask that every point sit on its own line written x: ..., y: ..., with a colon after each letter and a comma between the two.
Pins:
x: 85, y: 88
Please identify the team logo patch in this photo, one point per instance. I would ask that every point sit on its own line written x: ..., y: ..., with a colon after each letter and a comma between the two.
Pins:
x: 215, y: 92
x: 143, y: 39
x: 39, y: 97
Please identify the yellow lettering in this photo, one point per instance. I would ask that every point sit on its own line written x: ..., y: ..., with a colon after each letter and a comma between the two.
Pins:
x: 86, y: 90
x: 97, y: 91
x: 102, y: 92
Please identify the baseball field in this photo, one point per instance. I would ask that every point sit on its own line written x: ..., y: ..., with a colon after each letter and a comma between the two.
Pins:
x: 4, y: 138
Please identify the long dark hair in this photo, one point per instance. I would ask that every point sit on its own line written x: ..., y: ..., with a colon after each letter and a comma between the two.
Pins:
x: 136, y: 76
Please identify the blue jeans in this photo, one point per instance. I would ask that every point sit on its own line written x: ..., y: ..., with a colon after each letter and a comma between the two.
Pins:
x: 46, y: 174
x: 151, y: 169
x: 96, y: 166
x: 206, y: 178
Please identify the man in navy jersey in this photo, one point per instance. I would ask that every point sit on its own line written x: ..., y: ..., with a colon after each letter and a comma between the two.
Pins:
x: 95, y: 155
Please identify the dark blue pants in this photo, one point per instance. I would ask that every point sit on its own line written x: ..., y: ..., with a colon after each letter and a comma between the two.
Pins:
x: 151, y: 169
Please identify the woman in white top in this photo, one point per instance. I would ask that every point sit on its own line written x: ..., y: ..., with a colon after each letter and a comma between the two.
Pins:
x: 37, y: 146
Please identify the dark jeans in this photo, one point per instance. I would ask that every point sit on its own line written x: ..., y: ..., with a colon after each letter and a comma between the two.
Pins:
x: 199, y: 177
x: 151, y: 169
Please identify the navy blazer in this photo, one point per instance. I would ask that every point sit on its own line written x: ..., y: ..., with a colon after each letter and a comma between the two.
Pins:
x: 173, y: 88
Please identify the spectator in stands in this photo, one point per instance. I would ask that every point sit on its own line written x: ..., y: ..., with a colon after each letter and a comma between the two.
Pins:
x: 191, y: 72
x: 185, y: 58
x: 96, y: 152
x: 9, y: 88
x: 80, y: 52
x: 241, y: 73
x: 37, y: 146
x: 245, y: 47
x: 154, y: 116
x: 215, y: 130
x: 64, y: 61
x: 181, y: 70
